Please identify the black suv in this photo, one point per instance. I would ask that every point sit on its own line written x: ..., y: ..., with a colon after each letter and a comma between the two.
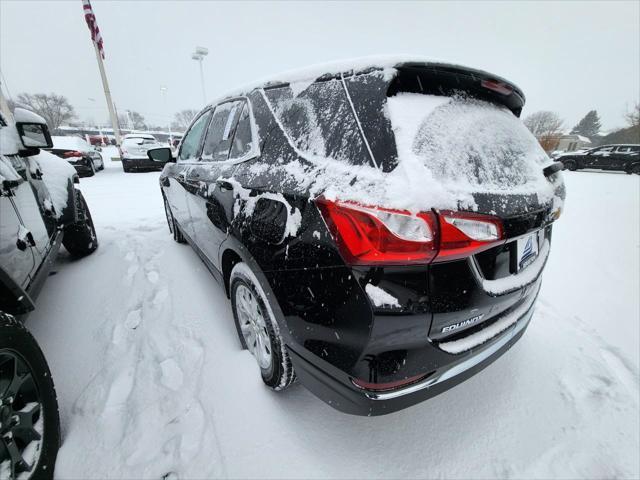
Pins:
x: 40, y: 210
x: 381, y: 230
x: 622, y: 158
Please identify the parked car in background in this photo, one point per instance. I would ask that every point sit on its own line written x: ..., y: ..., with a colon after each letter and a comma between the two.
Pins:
x: 85, y: 158
x: 622, y: 158
x: 374, y: 241
x: 40, y: 210
x: 99, y: 140
x: 133, y: 152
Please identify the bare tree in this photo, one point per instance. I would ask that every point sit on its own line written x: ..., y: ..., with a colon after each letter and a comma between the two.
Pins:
x: 633, y: 117
x: 132, y: 119
x: 183, y: 118
x: 55, y: 109
x: 546, y: 126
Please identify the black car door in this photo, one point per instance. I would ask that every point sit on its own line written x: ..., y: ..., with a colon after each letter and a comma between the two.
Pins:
x: 625, y: 156
x: 212, y: 200
x: 174, y: 177
x: 601, y: 158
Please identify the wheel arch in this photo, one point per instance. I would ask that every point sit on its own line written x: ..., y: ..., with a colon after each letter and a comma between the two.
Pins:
x: 233, y: 251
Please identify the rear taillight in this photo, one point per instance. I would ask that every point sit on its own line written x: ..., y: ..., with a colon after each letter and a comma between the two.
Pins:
x: 496, y: 86
x: 72, y: 153
x: 374, y: 235
x: 465, y: 233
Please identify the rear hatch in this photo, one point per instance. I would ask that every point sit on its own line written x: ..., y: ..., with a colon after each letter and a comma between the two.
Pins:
x: 468, y: 137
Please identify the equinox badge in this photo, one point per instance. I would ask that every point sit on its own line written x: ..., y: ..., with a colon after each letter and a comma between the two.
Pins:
x: 456, y: 326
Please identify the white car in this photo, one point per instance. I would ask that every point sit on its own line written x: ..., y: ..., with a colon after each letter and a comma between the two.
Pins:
x: 83, y: 156
x: 133, y: 152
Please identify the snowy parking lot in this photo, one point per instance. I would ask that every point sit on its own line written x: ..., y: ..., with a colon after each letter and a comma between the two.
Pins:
x: 151, y: 379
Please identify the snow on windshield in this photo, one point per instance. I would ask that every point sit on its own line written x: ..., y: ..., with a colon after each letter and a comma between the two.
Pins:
x: 467, y: 144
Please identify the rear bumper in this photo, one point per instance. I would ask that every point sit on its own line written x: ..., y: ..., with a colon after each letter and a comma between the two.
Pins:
x: 141, y: 164
x: 347, y: 398
x: 81, y: 168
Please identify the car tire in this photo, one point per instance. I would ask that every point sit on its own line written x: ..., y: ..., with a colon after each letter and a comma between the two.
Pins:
x: 570, y: 165
x: 171, y: 222
x: 635, y: 169
x: 101, y: 163
x: 92, y: 171
x: 25, y: 379
x: 258, y: 329
x: 80, y: 238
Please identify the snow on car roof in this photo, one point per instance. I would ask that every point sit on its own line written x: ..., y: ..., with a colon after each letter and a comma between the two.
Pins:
x: 70, y: 143
x: 385, y: 63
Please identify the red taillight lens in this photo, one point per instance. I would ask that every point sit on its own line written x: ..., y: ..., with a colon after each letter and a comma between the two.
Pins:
x: 465, y: 233
x: 498, y: 87
x: 72, y: 153
x: 373, y: 235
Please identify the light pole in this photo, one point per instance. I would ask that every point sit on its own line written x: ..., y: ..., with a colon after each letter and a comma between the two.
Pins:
x: 163, y: 92
x: 199, y: 55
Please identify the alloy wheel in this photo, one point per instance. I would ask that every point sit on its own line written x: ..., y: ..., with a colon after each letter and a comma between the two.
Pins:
x: 21, y: 419
x: 253, y: 326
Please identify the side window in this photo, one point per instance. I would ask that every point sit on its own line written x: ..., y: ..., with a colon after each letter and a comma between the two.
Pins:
x: 191, y: 141
x: 242, y: 141
x: 603, y: 150
x: 628, y: 149
x: 220, y: 132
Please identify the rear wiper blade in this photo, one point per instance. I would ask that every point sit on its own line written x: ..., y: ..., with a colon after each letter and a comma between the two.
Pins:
x: 553, y: 168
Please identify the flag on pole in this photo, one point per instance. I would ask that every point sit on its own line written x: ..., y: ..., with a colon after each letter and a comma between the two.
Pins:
x: 93, y: 25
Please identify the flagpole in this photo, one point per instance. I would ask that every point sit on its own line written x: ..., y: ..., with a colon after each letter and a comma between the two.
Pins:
x: 107, y: 94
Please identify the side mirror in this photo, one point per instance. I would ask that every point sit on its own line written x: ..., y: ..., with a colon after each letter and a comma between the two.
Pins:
x: 162, y: 155
x: 32, y: 129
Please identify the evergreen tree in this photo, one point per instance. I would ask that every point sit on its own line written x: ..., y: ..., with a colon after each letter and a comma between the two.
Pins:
x: 589, y: 126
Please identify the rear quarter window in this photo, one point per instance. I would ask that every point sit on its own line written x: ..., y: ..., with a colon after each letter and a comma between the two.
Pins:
x: 319, y: 121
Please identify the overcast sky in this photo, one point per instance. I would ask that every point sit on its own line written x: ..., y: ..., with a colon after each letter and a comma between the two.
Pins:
x: 568, y: 57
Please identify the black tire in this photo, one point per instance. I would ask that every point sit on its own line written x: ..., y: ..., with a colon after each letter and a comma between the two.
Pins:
x: 570, y: 165
x: 25, y: 379
x: 278, y: 374
x: 92, y: 172
x: 635, y: 169
x: 174, y: 229
x: 80, y: 238
x: 101, y: 163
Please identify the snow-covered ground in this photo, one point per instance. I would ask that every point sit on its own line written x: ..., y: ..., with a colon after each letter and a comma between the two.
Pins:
x: 151, y: 379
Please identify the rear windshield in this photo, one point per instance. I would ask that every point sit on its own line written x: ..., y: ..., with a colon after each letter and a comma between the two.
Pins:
x: 319, y: 121
x: 470, y: 142
x: 69, y: 143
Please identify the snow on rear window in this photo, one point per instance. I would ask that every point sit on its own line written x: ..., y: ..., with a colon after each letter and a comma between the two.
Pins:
x: 70, y: 143
x: 467, y: 144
